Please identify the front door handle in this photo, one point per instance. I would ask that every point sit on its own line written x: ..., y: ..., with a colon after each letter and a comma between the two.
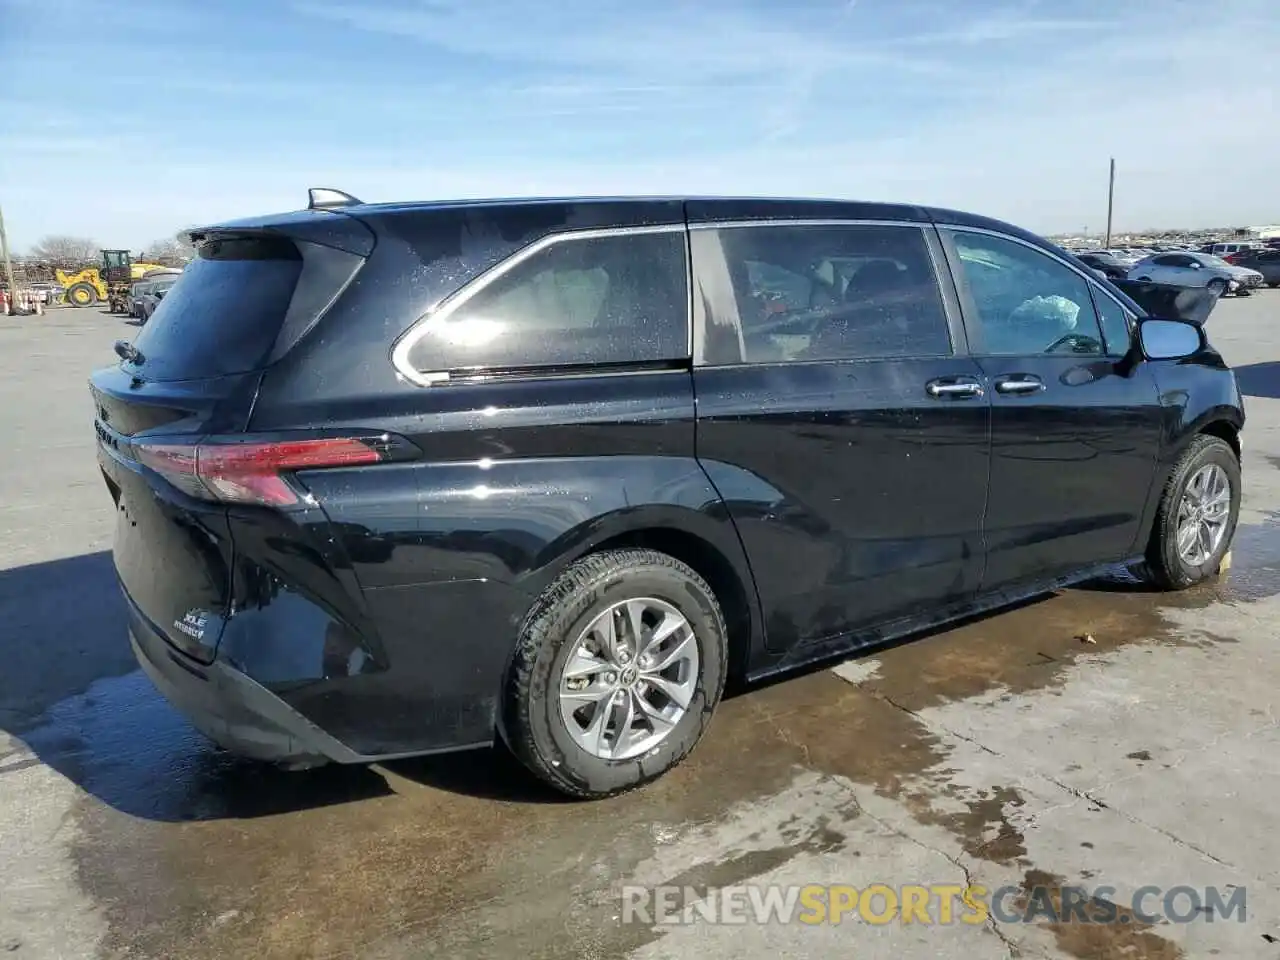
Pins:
x: 1017, y: 383
x: 953, y: 388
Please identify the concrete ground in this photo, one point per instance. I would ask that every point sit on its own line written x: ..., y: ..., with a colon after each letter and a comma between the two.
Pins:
x: 1009, y: 751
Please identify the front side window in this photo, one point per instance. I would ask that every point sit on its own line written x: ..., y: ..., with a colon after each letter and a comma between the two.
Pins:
x: 1027, y: 303
x: 821, y: 292
x: 581, y: 301
x: 1116, y: 329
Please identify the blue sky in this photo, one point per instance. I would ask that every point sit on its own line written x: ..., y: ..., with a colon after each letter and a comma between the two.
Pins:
x: 1007, y: 107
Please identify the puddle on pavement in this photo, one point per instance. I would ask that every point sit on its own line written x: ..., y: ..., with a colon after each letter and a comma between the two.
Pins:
x: 193, y: 854
x: 1112, y: 932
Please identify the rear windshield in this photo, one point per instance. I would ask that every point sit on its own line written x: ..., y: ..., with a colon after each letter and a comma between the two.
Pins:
x: 223, y: 314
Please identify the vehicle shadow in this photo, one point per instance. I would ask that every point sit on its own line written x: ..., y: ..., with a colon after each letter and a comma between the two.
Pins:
x: 491, y: 774
x: 1259, y: 379
x: 71, y: 693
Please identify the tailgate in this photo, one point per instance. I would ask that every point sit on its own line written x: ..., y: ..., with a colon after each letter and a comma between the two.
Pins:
x: 173, y: 552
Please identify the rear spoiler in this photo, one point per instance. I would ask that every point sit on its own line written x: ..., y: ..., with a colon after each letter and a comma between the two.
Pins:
x: 328, y: 227
x: 1170, y: 302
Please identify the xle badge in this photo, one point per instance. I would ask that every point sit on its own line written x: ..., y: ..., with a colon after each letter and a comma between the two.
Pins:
x: 193, y: 623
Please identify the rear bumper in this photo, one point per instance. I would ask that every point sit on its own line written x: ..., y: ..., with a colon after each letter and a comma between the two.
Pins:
x: 231, y: 708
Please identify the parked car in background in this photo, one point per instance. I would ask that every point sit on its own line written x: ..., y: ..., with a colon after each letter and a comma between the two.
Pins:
x: 1223, y: 248
x: 136, y: 294
x: 1265, y: 260
x: 154, y: 293
x: 48, y: 291
x: 1196, y: 270
x: 1105, y: 264
x: 1121, y: 254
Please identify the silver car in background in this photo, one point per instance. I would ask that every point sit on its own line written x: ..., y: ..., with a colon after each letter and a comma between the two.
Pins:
x: 152, y: 295
x: 136, y: 294
x: 1185, y: 269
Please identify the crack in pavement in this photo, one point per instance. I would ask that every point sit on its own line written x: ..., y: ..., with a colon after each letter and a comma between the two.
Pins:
x: 1012, y: 949
x: 1078, y: 794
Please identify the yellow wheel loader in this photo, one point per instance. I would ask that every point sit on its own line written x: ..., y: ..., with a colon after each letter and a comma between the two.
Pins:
x: 109, y: 282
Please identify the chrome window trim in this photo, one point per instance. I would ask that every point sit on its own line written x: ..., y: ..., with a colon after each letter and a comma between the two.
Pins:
x: 806, y: 222
x: 1083, y: 274
x: 1090, y: 282
x: 444, y: 308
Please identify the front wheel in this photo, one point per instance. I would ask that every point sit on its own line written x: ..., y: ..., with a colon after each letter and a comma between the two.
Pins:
x: 1197, y: 518
x: 1217, y: 287
x: 81, y: 295
x: 618, y: 668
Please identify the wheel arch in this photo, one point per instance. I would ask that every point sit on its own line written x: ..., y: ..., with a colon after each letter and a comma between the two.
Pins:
x: 708, y: 545
x: 1223, y: 429
x: 1222, y: 421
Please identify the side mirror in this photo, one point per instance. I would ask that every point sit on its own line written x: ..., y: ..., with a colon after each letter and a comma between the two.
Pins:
x: 1169, y: 339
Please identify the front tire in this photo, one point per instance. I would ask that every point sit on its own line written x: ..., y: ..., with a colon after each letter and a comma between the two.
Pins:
x: 1198, y: 512
x: 619, y: 666
x: 81, y: 295
x: 1217, y: 287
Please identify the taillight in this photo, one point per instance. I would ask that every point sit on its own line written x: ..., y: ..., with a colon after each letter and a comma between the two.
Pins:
x: 253, y: 472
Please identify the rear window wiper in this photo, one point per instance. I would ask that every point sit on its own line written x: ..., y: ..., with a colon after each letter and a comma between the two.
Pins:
x: 127, y: 351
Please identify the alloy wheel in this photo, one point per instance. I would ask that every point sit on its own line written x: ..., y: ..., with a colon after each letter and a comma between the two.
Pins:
x: 629, y: 678
x: 1203, y: 513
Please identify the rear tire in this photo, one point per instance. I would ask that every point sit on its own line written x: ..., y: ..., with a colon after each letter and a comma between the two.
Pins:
x: 562, y: 624
x: 81, y: 295
x: 1169, y: 565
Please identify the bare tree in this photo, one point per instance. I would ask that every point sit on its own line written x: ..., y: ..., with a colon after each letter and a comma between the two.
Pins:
x: 175, y: 248
x: 66, y: 249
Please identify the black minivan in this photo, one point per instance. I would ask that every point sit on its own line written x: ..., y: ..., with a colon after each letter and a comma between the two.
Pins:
x: 396, y: 479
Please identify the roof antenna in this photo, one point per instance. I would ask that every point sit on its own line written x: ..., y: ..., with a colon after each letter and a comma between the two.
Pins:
x: 322, y: 198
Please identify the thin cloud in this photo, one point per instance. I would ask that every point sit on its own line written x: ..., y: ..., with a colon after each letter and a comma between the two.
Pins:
x: 1012, y: 110
x: 706, y: 41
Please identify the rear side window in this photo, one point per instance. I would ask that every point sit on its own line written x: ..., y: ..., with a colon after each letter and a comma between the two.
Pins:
x: 223, y: 314
x: 578, y: 301
x: 803, y: 293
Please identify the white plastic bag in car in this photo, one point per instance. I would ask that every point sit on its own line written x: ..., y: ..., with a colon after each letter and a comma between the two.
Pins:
x: 1053, y: 309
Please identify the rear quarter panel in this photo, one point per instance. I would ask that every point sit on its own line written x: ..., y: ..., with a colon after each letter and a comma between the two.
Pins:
x: 447, y: 553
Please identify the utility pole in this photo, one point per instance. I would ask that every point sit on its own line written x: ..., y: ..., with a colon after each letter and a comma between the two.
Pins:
x: 1111, y: 200
x: 8, y: 264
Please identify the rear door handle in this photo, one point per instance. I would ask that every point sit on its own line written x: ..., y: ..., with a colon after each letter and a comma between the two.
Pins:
x: 1019, y: 383
x: 953, y: 388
